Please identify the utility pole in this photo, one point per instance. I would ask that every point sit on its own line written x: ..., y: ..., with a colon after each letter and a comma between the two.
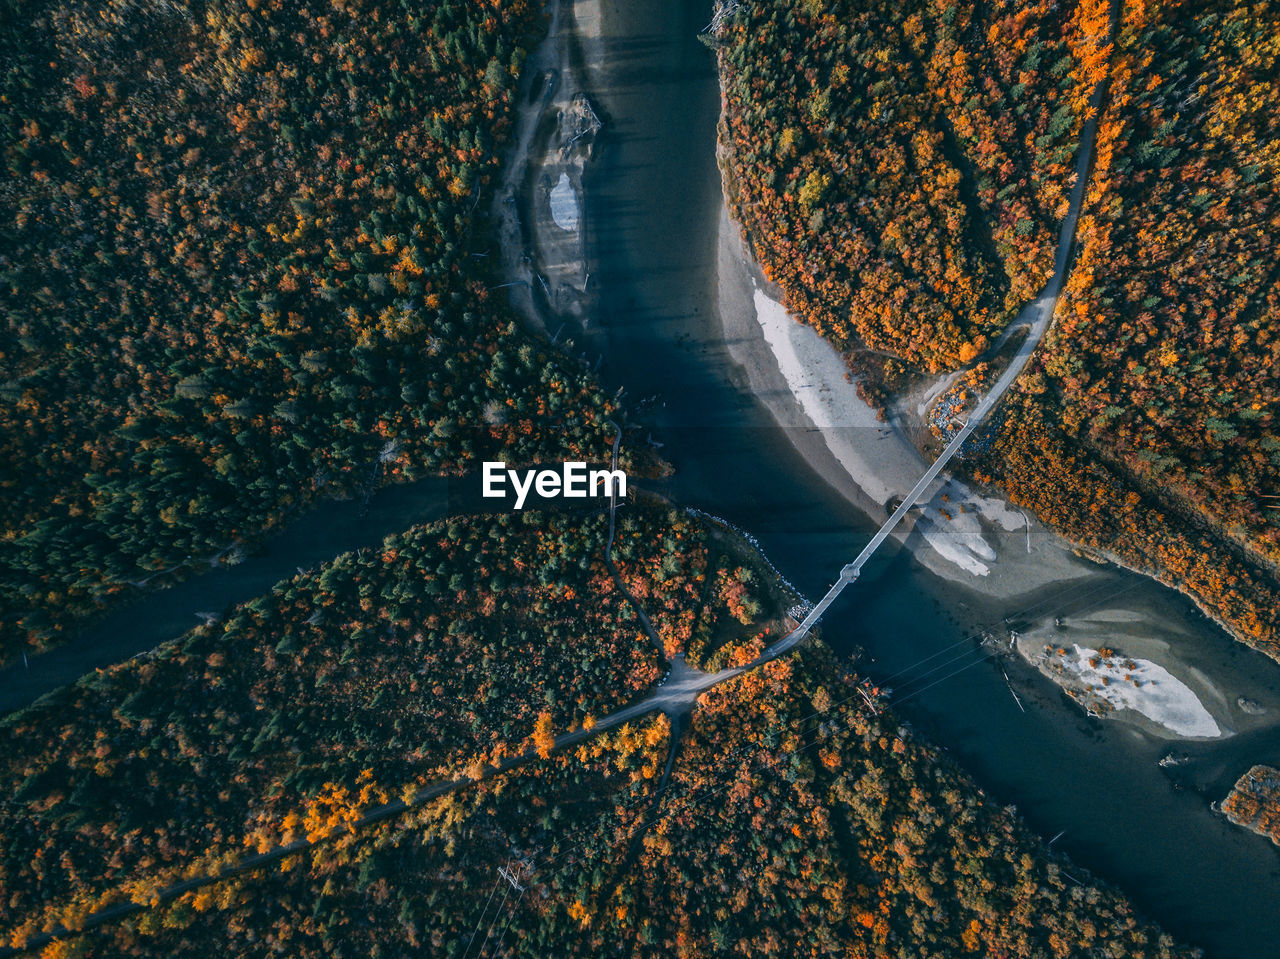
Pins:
x: 866, y: 698
x: 514, y: 872
x: 725, y: 9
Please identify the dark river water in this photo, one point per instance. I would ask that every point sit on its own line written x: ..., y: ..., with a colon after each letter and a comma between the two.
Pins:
x: 316, y: 537
x: 651, y: 217
x: 652, y: 203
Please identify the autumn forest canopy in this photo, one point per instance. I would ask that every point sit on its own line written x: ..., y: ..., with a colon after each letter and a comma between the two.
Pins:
x: 455, y: 646
x: 793, y: 823
x: 901, y: 171
x: 245, y: 266
x: 237, y: 272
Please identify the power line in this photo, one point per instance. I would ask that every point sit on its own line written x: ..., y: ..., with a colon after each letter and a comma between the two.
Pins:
x: 495, y: 920
x: 511, y: 914
x: 476, y: 932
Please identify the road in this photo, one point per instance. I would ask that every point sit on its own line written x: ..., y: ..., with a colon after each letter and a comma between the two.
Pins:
x: 1036, y: 317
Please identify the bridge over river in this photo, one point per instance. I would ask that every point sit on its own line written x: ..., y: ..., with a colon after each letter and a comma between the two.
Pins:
x: 1036, y: 318
x: 683, y: 686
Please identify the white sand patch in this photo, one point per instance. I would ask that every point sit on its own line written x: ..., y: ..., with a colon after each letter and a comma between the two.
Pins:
x: 995, y: 510
x: 958, y: 540
x: 812, y: 367
x: 880, y: 460
x: 564, y: 204
x: 815, y: 374
x: 1147, y: 688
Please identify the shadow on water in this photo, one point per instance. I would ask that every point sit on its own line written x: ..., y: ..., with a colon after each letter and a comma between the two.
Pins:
x: 651, y: 214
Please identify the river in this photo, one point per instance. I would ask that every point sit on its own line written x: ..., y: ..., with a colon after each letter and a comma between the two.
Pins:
x: 651, y: 215
x: 651, y: 211
x: 318, y: 535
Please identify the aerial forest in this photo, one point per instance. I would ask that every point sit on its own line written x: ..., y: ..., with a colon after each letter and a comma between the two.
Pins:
x: 902, y: 170
x: 245, y: 265
x: 795, y: 822
x: 452, y: 648
x: 241, y: 268
x: 898, y: 168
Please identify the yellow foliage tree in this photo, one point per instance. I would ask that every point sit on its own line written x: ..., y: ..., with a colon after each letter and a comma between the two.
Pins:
x: 543, y: 739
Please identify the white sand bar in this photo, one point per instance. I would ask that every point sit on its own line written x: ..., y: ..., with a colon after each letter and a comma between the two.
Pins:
x: 880, y: 460
x: 815, y: 374
x: 1148, y: 688
x: 959, y: 539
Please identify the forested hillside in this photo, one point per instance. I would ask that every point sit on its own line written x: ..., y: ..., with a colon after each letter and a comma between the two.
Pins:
x: 900, y: 168
x: 456, y: 645
x: 1146, y: 425
x: 796, y: 823
x: 237, y: 272
x: 1161, y: 368
x: 1166, y: 351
